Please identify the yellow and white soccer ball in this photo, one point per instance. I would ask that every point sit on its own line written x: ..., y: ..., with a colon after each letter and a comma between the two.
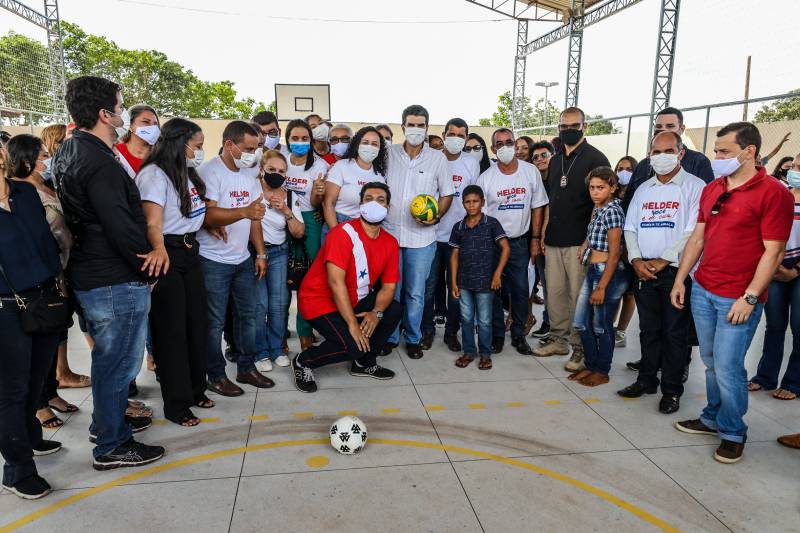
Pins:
x: 424, y: 207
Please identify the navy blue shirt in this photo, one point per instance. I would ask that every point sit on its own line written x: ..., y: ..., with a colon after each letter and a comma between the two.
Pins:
x: 28, y: 250
x: 476, y: 257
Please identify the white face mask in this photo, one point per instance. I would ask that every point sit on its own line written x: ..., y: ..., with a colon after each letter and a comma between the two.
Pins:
x: 454, y: 144
x: 197, y: 160
x: 126, y: 123
x: 259, y: 153
x: 624, y: 176
x: 415, y: 136
x: 726, y: 167
x: 505, y: 154
x: 367, y: 152
x: 148, y: 134
x: 339, y: 149
x: 246, y: 160
x: 664, y: 163
x: 387, y: 141
x: 271, y: 142
x: 372, y: 212
x: 477, y: 155
x: 321, y: 132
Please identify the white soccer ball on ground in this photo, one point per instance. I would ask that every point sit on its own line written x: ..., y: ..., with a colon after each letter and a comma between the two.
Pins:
x: 348, y: 435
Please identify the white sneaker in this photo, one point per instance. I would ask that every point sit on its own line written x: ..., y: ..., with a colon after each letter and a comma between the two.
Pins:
x: 264, y: 365
x: 283, y: 360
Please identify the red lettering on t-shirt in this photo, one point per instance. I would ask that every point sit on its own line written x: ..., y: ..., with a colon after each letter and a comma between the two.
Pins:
x: 457, y: 179
x: 240, y: 194
x: 661, y: 205
x: 514, y: 190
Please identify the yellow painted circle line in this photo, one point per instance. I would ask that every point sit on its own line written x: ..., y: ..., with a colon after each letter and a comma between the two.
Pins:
x: 641, y: 513
x: 317, y: 461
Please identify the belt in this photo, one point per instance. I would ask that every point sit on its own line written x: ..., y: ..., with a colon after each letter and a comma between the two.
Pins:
x: 33, y: 292
x: 187, y: 240
x: 270, y: 245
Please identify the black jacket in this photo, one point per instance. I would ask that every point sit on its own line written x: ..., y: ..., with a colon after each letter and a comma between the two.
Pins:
x: 103, y: 209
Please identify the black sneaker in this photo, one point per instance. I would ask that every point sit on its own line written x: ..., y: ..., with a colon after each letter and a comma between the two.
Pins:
x: 439, y: 320
x: 137, y: 424
x: 497, y: 345
x: 521, y: 345
x: 46, y: 447
x: 634, y: 365
x: 130, y: 454
x: 388, y: 348
x: 427, y: 340
x: 31, y: 488
x: 375, y: 371
x: 451, y: 340
x: 414, y: 351
x: 669, y: 404
x: 543, y: 331
x: 303, y: 377
x: 636, y: 390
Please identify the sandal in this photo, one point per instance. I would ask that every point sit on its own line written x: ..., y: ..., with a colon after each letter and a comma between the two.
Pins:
x: 752, y: 386
x: 485, y: 363
x: 784, y: 395
x: 509, y: 321
x: 187, y: 419
x: 138, y: 409
x: 205, y: 403
x: 463, y: 361
x: 529, y: 325
x: 70, y: 408
x: 51, y: 422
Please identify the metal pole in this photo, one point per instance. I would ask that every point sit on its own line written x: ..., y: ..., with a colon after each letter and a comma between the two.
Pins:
x: 746, y: 90
x: 520, y: 62
x: 665, y: 57
x: 574, y: 53
x: 628, y: 140
x: 705, y: 131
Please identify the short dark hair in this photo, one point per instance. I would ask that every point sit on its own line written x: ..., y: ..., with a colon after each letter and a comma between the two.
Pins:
x: 746, y: 134
x: 675, y: 136
x: 87, y: 95
x: 458, y: 123
x: 380, y: 127
x: 375, y: 185
x: 236, y: 130
x: 417, y: 111
x: 543, y: 144
x: 574, y: 109
x: 472, y: 189
x: 672, y: 111
x: 501, y: 130
x: 606, y: 174
x: 23, y: 150
x: 265, y: 117
x: 308, y: 118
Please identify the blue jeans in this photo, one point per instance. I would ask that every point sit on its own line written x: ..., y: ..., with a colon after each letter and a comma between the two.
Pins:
x: 440, y: 261
x: 782, y: 309
x: 595, y: 323
x: 723, y: 347
x: 415, y: 265
x: 116, y: 318
x: 239, y: 283
x: 476, y: 307
x: 515, y: 280
x: 272, y: 304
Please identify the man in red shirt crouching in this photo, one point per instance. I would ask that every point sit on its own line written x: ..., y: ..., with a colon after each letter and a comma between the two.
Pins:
x: 744, y: 220
x: 338, y: 295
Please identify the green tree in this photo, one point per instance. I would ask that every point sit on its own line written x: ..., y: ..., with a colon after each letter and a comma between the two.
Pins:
x: 601, y: 127
x: 23, y: 76
x: 782, y: 109
x: 529, y: 116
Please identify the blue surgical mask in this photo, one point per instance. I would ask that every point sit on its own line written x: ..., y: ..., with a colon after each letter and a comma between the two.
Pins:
x: 299, y: 148
x: 47, y: 173
x: 793, y: 177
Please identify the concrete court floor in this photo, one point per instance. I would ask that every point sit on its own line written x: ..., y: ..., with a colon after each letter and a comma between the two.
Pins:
x: 517, y: 448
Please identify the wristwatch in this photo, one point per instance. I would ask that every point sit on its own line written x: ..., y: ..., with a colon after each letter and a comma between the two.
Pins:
x: 751, y: 299
x: 378, y: 314
x: 261, y: 256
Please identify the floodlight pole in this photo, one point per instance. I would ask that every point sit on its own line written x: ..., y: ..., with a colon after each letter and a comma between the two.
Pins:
x: 546, y: 86
x: 575, y: 49
x: 55, y: 56
x: 520, y: 62
x: 665, y: 58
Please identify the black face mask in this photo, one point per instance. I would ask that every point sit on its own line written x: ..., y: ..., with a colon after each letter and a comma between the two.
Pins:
x: 570, y: 137
x: 274, y: 180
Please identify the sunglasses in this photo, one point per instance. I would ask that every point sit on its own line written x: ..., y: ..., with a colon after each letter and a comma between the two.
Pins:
x: 476, y: 148
x: 715, y: 209
x: 543, y: 155
x: 337, y: 140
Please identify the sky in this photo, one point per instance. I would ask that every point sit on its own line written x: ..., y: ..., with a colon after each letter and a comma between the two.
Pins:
x: 451, y: 56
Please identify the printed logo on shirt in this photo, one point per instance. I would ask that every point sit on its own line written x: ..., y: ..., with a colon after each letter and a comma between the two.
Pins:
x: 240, y: 198
x: 457, y: 182
x: 659, y: 214
x: 298, y: 185
x: 198, y: 206
x: 513, y: 198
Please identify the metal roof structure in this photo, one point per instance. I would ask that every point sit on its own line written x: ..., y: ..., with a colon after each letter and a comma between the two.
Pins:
x: 574, y: 16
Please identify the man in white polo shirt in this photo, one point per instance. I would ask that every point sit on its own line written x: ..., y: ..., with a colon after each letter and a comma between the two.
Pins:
x: 415, y: 169
x: 661, y: 217
x: 234, y: 202
x: 464, y: 171
x: 516, y: 197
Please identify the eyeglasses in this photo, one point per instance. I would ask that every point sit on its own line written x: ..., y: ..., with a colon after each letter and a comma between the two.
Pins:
x: 573, y: 126
x: 476, y: 148
x: 500, y: 144
x: 543, y: 156
x: 715, y: 209
x: 337, y: 140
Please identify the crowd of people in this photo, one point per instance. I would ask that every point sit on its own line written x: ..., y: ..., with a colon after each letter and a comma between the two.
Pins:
x: 162, y: 250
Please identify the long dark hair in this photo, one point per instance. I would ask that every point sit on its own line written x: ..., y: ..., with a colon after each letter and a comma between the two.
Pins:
x: 776, y: 172
x: 23, y: 150
x: 527, y: 140
x: 169, y: 154
x: 297, y: 123
x: 485, y: 163
x: 379, y: 163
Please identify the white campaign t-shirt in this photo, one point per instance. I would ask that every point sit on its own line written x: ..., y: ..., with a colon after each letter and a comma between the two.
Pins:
x: 274, y: 223
x: 465, y: 171
x: 155, y: 186
x: 301, y: 181
x: 510, y: 198
x: 230, y: 190
x: 351, y: 178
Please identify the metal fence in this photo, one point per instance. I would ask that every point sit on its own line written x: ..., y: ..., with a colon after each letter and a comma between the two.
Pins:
x: 629, y: 133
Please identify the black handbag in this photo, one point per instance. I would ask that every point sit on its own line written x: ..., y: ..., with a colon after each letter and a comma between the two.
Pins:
x: 49, y: 313
x: 298, y: 261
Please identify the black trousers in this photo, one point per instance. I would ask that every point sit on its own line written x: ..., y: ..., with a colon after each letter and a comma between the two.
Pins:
x: 339, y: 345
x: 24, y: 362
x: 179, y: 326
x: 664, y: 332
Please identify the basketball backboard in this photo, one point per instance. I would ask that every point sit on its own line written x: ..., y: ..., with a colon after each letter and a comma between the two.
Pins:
x: 294, y: 100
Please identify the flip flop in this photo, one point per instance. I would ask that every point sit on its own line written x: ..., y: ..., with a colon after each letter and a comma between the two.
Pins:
x: 463, y: 361
x: 485, y: 364
x: 752, y: 386
x: 205, y: 403
x: 70, y: 407
x: 52, y: 423
x: 775, y: 395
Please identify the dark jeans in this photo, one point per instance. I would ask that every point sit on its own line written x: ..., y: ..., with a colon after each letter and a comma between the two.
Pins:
x: 237, y: 282
x: 782, y: 309
x: 515, y: 279
x: 540, y: 275
x: 179, y: 325
x: 116, y: 317
x: 664, y: 332
x: 441, y: 264
x: 24, y: 362
x: 50, y: 385
x: 339, y: 345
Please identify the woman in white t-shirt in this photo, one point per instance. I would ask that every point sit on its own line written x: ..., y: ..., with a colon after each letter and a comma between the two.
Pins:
x: 363, y: 162
x: 173, y: 203
x: 305, y: 177
x: 282, y: 218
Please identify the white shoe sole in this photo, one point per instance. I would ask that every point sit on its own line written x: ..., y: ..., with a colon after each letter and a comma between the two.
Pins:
x: 124, y: 464
x: 693, y: 431
x: 282, y: 365
x: 15, y: 492
x: 263, y: 368
x: 37, y: 453
x: 360, y: 375
x: 727, y: 461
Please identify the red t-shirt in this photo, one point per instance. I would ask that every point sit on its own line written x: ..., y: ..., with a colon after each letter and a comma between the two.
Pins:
x: 330, y: 158
x: 382, y: 260
x: 760, y: 210
x: 133, y: 161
